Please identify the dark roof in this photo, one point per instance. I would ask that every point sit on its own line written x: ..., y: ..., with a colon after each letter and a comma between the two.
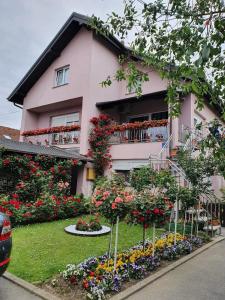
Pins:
x: 21, y: 147
x: 60, y: 41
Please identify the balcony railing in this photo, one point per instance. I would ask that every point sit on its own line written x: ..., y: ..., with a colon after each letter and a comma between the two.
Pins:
x: 61, y: 135
x: 139, y: 134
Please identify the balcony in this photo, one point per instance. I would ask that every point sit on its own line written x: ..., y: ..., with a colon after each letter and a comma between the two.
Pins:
x: 140, y: 132
x: 54, y: 136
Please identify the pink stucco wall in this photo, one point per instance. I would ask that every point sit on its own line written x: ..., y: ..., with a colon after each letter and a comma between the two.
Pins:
x: 89, y: 63
x: 135, y: 151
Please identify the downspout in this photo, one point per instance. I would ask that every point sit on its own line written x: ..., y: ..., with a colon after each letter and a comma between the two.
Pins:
x: 17, y: 105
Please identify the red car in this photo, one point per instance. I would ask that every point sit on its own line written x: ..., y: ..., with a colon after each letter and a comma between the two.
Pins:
x: 5, y: 242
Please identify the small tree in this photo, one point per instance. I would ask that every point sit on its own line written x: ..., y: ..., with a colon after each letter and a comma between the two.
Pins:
x: 183, y: 40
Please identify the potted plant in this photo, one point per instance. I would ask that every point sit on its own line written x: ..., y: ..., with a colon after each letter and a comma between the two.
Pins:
x: 148, y: 138
x: 173, y: 152
x: 159, y: 137
x: 75, y: 140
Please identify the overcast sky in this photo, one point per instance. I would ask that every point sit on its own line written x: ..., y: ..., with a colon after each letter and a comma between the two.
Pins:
x: 26, y: 28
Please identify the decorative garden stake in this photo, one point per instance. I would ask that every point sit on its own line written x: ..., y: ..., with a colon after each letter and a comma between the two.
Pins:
x: 144, y: 235
x: 175, y: 224
x: 171, y: 217
x: 153, y: 240
x: 116, y: 243
x: 192, y: 221
x: 185, y: 220
x: 110, y: 244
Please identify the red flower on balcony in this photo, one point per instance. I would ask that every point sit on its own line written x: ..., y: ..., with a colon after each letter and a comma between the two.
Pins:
x: 140, y: 125
x: 55, y: 129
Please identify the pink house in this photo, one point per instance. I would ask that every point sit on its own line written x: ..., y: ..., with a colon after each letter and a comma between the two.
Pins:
x: 63, y: 88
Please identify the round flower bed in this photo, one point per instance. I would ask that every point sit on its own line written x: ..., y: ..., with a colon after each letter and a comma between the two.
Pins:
x: 92, y: 225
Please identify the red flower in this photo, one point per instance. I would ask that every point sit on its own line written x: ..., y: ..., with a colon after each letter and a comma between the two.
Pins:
x: 27, y: 215
x: 9, y: 213
x: 156, y: 211
x: 38, y: 203
x: 135, y: 212
x: 114, y: 205
x: 141, y: 219
x: 15, y: 196
x: 85, y: 284
x: 92, y: 274
x: 6, y: 162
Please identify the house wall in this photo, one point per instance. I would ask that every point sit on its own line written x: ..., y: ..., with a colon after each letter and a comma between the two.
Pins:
x: 90, y: 63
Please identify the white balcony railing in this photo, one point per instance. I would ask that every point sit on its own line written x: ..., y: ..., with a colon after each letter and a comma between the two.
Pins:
x: 140, y: 135
x: 53, y: 136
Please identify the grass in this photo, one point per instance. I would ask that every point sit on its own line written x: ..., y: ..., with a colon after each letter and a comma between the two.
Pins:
x: 40, y: 251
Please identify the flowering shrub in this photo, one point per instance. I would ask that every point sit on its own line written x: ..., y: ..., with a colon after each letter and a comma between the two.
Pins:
x: 55, y: 129
x: 147, y: 209
x: 92, y: 225
x: 99, y: 143
x: 46, y: 208
x: 33, y: 176
x: 111, y: 199
x: 96, y: 274
x: 112, y: 203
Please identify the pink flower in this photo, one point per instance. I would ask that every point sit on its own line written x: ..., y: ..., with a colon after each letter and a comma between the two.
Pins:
x: 118, y: 200
x: 128, y: 198
x: 114, y: 205
x: 106, y: 194
x: 98, y: 193
x: 98, y: 203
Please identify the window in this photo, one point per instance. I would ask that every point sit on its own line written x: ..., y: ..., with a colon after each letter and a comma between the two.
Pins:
x: 65, y: 137
x: 138, y: 119
x: 160, y: 115
x: 62, y: 76
x: 65, y: 120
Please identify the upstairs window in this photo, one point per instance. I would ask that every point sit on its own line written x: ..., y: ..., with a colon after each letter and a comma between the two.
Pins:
x: 65, y: 120
x: 71, y: 137
x: 62, y: 76
x: 160, y: 115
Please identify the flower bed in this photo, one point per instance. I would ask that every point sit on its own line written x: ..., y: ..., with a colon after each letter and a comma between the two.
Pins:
x: 47, y: 208
x: 92, y: 225
x: 97, y: 277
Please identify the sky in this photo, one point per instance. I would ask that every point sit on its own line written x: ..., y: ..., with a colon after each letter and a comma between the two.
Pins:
x: 26, y: 28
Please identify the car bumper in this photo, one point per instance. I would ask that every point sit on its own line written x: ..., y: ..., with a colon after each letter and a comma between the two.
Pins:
x: 5, y: 250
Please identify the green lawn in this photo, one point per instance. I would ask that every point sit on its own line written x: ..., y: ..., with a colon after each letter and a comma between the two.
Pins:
x: 43, y: 250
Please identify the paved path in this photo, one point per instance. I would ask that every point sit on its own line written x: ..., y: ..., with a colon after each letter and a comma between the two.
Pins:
x: 201, y: 278
x: 10, y: 291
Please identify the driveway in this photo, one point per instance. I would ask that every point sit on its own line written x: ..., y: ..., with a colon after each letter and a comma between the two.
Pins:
x: 11, y: 291
x: 201, y: 278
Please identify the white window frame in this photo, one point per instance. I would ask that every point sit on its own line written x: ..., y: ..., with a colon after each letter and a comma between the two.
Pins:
x: 65, y: 116
x: 64, y: 78
x: 68, y: 135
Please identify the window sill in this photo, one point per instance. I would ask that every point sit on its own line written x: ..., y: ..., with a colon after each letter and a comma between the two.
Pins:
x: 56, y: 86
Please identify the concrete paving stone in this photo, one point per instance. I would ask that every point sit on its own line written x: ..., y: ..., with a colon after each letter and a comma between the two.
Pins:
x: 201, y: 278
x: 11, y: 291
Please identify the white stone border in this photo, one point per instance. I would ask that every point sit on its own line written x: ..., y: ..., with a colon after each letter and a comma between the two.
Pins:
x: 72, y: 230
